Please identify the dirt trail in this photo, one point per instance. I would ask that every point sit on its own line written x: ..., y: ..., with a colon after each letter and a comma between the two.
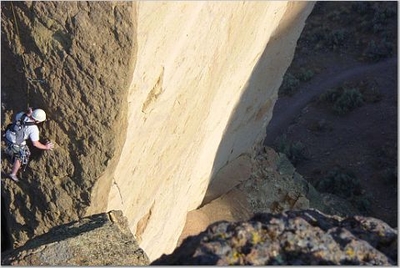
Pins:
x: 363, y: 141
x: 288, y: 108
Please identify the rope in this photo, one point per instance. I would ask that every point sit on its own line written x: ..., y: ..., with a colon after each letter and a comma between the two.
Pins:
x: 23, y: 60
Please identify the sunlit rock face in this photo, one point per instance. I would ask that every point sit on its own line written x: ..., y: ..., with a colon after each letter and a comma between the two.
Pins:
x: 203, y: 89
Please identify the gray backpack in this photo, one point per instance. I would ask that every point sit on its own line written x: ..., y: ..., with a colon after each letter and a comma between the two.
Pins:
x: 15, y: 131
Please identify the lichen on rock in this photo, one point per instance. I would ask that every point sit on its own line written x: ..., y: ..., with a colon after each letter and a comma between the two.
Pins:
x: 304, y: 237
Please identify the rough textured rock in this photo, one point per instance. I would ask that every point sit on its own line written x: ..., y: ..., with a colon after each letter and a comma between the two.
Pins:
x: 203, y: 91
x: 305, y: 237
x: 266, y: 183
x: 80, y: 57
x: 98, y: 240
x: 205, y: 80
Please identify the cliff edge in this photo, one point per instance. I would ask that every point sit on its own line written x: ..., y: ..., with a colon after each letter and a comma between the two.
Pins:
x: 305, y: 237
x: 147, y: 102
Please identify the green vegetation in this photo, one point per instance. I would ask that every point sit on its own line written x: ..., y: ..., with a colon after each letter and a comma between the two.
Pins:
x: 368, y: 30
x: 349, y: 96
x: 377, y: 50
x: 348, y: 100
x: 371, y: 94
x: 362, y: 203
x: 335, y: 33
x: 343, y: 100
x: 305, y: 74
x: 295, y: 151
x: 344, y: 184
x: 364, y: 30
x: 292, y: 81
x: 289, y: 85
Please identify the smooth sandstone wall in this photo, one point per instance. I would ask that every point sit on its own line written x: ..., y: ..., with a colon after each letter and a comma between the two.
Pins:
x: 203, y: 90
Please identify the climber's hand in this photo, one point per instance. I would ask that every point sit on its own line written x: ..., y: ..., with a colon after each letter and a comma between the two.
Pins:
x: 49, y: 145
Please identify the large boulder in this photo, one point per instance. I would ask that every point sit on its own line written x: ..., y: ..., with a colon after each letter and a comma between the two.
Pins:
x: 265, y: 183
x: 304, y: 237
x: 98, y: 240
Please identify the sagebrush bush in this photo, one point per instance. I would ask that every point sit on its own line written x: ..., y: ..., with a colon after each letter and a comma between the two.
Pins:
x: 295, y: 151
x: 363, y: 203
x: 347, y: 101
x: 343, y: 100
x: 289, y: 84
x: 376, y: 51
x: 305, y: 74
x: 345, y: 184
x: 339, y: 182
x: 330, y: 96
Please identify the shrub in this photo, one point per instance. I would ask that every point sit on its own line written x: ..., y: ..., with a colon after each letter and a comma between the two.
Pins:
x: 363, y: 203
x: 377, y: 51
x: 295, y: 151
x: 339, y: 182
x: 345, y: 184
x: 330, y: 96
x: 338, y: 38
x: 289, y: 84
x: 348, y: 100
x: 305, y: 75
x: 342, y: 99
x: 372, y: 95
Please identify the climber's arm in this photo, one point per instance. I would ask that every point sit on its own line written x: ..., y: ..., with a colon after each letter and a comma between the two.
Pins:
x: 42, y: 146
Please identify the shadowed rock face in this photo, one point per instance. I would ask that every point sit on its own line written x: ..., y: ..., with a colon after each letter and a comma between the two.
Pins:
x: 305, y: 237
x: 74, y: 60
x: 98, y: 240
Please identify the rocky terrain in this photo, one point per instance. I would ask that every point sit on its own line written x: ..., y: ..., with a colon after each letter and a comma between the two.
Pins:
x: 302, y: 237
x: 131, y: 137
x: 344, y: 47
x: 305, y: 237
x: 98, y: 240
x: 118, y: 80
x: 269, y: 184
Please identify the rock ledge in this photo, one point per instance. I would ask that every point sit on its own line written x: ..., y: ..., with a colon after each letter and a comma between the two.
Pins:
x: 293, y: 237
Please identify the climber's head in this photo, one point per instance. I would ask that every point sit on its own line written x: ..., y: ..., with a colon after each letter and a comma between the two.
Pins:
x: 39, y: 115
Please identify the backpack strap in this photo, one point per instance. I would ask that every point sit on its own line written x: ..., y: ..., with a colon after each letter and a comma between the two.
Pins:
x: 23, y: 123
x: 22, y: 119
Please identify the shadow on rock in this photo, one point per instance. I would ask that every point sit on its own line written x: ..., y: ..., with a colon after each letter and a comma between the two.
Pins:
x: 305, y: 237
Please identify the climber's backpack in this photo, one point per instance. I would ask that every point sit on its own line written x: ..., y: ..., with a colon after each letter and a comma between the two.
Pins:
x: 15, y: 131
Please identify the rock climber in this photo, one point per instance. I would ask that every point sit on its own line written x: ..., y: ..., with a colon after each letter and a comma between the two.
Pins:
x: 19, y: 151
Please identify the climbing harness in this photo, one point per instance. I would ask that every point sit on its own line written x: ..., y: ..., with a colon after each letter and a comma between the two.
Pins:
x: 15, y: 141
x: 21, y: 152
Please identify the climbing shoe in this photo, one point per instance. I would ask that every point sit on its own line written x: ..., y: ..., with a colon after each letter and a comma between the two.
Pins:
x: 13, y: 177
